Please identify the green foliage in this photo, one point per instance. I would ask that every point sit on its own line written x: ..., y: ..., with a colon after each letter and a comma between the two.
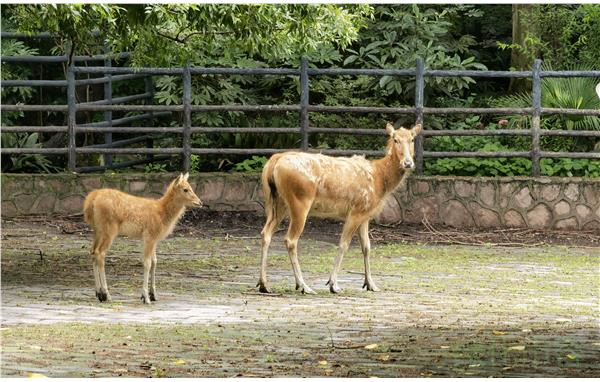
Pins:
x: 71, y: 24
x: 478, y: 166
x: 15, y: 95
x: 561, y: 93
x: 570, y: 167
x: 561, y: 34
x: 234, y: 34
x: 500, y: 166
x: 24, y: 162
x: 155, y: 167
x: 398, y: 34
x: 254, y: 164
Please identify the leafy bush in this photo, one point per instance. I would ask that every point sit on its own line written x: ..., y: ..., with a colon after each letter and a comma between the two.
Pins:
x: 24, y: 162
x: 254, y: 164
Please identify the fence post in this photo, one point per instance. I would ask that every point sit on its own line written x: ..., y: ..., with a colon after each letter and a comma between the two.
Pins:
x: 535, y: 120
x: 304, y: 90
x: 419, y: 89
x: 187, y: 116
x: 108, y: 117
x: 72, y: 117
x: 149, y: 88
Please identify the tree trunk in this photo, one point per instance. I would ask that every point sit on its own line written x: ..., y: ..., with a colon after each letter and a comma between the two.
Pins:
x: 518, y: 59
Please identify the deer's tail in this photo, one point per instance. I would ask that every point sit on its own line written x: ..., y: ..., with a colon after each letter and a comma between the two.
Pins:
x: 270, y: 188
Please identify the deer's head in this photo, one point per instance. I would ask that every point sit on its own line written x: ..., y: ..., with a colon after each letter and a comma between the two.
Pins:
x: 184, y: 192
x: 401, y: 144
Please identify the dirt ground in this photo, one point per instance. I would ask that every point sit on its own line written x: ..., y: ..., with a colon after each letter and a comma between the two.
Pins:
x: 505, y: 303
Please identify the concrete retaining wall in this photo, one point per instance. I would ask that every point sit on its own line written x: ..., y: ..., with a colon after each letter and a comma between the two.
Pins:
x: 554, y: 203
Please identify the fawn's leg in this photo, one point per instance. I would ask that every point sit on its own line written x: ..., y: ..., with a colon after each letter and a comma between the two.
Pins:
x: 348, y: 231
x: 153, y: 278
x: 149, y: 248
x: 298, y: 213
x: 93, y: 252
x: 365, y: 244
x: 107, y: 236
x: 274, y: 218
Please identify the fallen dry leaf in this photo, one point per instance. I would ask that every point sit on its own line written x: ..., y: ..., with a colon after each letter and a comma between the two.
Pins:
x: 518, y: 347
x: 571, y: 356
x: 36, y: 375
x: 371, y: 346
x: 498, y: 333
x: 179, y: 362
x: 323, y: 363
x: 384, y: 358
x: 475, y: 365
x: 563, y: 320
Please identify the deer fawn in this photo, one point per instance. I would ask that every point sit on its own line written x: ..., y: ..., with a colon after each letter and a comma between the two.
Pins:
x: 298, y: 184
x: 111, y: 213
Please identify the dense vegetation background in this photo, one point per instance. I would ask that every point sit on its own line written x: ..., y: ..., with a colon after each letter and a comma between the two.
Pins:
x: 496, y: 37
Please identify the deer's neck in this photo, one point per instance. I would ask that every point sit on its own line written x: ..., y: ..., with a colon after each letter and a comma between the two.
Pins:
x: 171, y: 209
x: 390, y: 172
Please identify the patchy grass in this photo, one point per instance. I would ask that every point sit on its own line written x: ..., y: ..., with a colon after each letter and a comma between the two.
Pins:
x: 444, y: 310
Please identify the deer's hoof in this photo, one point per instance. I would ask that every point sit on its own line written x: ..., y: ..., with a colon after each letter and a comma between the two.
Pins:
x: 262, y: 288
x: 306, y: 290
x: 103, y: 296
x: 145, y: 299
x: 333, y: 286
x: 152, y: 296
x: 371, y: 286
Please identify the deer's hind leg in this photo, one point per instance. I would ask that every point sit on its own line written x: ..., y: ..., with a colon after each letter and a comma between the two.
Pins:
x: 298, y: 213
x: 93, y: 250
x: 152, y: 293
x: 274, y: 218
x: 149, y: 253
x: 105, y: 239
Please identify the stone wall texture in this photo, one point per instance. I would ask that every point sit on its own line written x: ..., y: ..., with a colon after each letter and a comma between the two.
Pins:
x: 549, y: 203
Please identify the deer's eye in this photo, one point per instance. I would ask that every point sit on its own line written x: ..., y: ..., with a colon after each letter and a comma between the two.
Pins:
x: 396, y: 140
x: 185, y: 190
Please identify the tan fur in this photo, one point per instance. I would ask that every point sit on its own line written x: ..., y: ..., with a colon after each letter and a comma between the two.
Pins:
x: 111, y: 213
x: 353, y: 190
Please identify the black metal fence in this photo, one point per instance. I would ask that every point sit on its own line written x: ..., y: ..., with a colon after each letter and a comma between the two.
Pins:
x: 109, y: 105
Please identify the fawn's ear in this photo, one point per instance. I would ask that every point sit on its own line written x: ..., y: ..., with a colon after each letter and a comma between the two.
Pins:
x: 416, y: 130
x: 179, y: 178
x: 390, y: 129
x: 185, y: 176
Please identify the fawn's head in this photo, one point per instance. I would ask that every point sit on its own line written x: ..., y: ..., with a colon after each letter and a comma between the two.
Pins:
x: 401, y: 144
x: 182, y: 191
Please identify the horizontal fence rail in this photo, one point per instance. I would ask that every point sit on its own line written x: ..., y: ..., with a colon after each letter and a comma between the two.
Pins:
x: 108, y: 105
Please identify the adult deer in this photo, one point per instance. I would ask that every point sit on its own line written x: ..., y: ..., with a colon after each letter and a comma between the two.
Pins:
x: 112, y: 212
x: 353, y: 190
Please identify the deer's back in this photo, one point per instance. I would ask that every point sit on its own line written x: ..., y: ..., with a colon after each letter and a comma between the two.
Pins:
x: 132, y: 214
x: 336, y: 185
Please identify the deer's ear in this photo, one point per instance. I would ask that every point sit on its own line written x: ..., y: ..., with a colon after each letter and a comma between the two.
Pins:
x: 390, y: 129
x: 185, y: 176
x: 179, y: 178
x: 416, y: 130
